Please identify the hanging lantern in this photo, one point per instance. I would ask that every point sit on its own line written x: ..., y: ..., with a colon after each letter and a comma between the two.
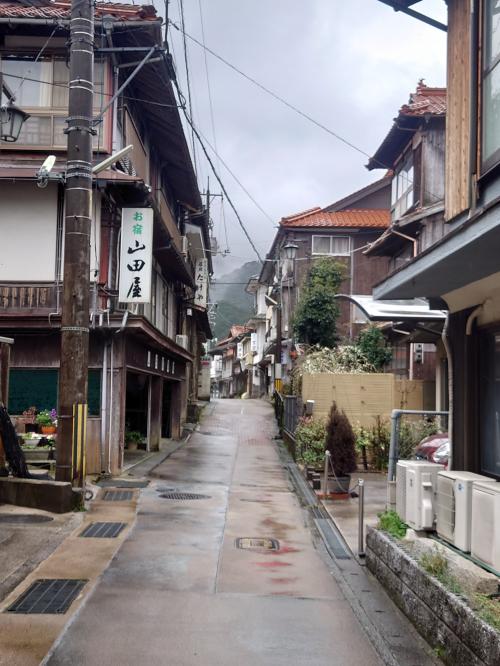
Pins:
x: 11, y: 121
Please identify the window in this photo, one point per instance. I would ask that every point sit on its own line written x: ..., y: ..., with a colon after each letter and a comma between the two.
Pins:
x: 331, y: 245
x: 491, y: 85
x: 402, y: 197
x: 43, y: 93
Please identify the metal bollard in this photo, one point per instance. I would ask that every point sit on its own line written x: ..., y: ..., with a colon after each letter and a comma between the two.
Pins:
x: 361, y: 518
x: 325, y: 473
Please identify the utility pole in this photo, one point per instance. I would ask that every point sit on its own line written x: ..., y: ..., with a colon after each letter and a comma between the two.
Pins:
x: 279, y: 312
x: 73, y: 375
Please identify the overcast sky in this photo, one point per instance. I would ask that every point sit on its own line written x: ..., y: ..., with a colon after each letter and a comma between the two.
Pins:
x: 349, y: 64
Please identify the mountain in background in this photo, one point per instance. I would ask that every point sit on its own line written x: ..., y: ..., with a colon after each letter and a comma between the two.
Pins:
x: 234, y: 305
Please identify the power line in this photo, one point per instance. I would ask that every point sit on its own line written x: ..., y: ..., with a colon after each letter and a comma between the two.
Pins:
x: 104, y: 94
x: 215, y: 172
x: 273, y: 94
x: 188, y: 81
x: 36, y: 60
x: 208, y: 78
x: 237, y: 179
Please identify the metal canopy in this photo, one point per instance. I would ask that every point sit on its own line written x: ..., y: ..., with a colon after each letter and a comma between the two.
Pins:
x: 404, y: 6
x: 414, y: 310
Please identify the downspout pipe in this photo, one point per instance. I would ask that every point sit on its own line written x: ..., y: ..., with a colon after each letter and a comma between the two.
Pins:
x: 449, y: 358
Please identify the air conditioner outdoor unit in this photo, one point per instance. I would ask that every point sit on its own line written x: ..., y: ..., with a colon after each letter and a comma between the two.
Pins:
x: 485, y: 533
x: 454, y: 506
x: 182, y: 341
x: 401, y: 487
x: 421, y: 483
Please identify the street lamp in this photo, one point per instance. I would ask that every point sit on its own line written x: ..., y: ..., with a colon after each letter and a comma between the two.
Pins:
x: 291, y: 251
x: 11, y: 121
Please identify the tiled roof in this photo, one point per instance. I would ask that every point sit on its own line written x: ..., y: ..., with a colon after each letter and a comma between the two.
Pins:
x: 425, y: 100
x: 61, y: 10
x: 316, y: 217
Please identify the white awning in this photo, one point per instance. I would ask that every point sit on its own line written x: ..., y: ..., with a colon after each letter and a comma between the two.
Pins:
x: 414, y: 310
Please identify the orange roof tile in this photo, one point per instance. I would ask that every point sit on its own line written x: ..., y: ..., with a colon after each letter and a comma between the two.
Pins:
x: 425, y: 100
x: 361, y: 218
x: 61, y: 9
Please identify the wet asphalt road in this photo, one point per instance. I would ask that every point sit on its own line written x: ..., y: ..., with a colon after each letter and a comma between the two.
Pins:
x: 180, y: 591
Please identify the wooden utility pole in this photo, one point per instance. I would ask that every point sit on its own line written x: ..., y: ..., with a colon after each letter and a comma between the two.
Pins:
x: 73, y: 376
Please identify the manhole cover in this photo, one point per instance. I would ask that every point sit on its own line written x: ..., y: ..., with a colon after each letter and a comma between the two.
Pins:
x: 117, y: 495
x: 47, y: 596
x: 251, y: 543
x: 184, y: 496
x: 103, y: 530
x: 24, y: 518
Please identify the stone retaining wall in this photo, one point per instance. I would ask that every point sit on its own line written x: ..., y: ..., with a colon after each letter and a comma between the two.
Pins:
x: 460, y: 637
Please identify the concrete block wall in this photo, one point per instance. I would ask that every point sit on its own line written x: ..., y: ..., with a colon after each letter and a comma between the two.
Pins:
x: 444, y: 619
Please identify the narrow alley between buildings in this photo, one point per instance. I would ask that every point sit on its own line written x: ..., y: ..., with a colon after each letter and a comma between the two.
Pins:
x: 180, y: 591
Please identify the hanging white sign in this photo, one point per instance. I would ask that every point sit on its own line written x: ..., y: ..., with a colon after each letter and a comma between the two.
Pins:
x: 200, y: 297
x: 136, y: 255
x: 253, y: 342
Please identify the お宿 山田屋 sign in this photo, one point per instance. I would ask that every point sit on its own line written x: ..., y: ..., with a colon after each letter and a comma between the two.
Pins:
x: 136, y: 255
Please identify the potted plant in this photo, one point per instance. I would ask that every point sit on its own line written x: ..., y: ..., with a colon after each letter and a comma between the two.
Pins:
x: 340, y: 441
x: 47, y: 420
x: 310, y: 442
x: 132, y: 439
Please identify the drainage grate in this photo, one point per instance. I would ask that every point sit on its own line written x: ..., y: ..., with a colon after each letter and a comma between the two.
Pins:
x: 184, y: 496
x: 117, y: 483
x: 103, y: 530
x: 117, y: 495
x: 24, y: 518
x: 250, y: 543
x: 47, y: 596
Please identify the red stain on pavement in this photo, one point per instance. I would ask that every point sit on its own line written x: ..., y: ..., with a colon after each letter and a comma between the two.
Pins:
x: 283, y: 581
x: 283, y: 550
x: 273, y: 563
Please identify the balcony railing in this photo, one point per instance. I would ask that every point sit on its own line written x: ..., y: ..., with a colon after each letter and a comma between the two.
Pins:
x: 29, y: 298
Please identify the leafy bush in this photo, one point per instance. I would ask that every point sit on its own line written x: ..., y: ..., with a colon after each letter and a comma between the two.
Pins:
x: 310, y: 438
x: 375, y: 440
x: 411, y: 433
x: 340, y: 442
x: 390, y: 522
x: 317, y: 312
x: 372, y: 343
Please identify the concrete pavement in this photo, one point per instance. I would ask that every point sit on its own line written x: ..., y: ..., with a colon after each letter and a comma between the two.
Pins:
x: 180, y: 591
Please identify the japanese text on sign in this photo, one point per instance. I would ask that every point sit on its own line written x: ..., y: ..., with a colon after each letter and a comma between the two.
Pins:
x: 136, y: 256
x: 200, y: 297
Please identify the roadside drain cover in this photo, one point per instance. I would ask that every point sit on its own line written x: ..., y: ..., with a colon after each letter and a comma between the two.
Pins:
x: 116, y: 483
x: 47, y: 596
x: 184, y: 496
x: 103, y: 530
x: 248, y: 543
x: 117, y: 495
x: 24, y: 518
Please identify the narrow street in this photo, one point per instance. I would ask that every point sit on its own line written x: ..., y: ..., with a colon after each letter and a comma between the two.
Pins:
x: 180, y: 592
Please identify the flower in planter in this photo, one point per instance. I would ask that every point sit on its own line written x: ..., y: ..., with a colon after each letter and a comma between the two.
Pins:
x: 45, y: 418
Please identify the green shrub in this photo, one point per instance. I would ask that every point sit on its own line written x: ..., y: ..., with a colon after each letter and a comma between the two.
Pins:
x: 374, y: 346
x: 340, y: 442
x: 310, y: 439
x: 390, y: 522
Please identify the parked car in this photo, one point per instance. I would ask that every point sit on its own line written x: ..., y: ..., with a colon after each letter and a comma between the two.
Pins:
x: 429, y: 446
x: 441, y: 455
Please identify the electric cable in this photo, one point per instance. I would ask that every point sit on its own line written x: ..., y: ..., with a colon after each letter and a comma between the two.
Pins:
x: 215, y: 172
x: 228, y: 169
x: 209, y: 89
x: 23, y: 79
x: 188, y: 81
x: 291, y: 106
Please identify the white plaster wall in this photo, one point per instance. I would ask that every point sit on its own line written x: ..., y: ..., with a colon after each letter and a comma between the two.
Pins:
x: 28, y: 220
